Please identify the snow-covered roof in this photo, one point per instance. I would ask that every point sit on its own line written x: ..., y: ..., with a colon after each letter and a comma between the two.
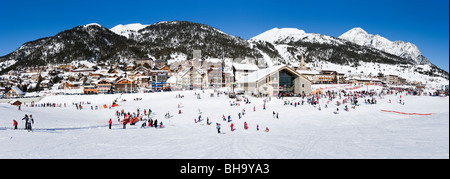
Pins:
x: 249, y: 67
x: 257, y: 75
x: 17, y: 90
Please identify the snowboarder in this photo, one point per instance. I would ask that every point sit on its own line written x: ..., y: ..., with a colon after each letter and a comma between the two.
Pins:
x: 110, y: 123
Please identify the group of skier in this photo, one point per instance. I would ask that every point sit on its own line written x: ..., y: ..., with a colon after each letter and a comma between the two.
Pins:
x: 29, y: 121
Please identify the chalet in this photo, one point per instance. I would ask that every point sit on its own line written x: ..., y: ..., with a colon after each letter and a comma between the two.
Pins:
x: 71, y: 85
x: 125, y: 85
x: 90, y: 87
x: 14, y: 92
x: 15, y: 102
x: 145, y: 71
x: 104, y: 86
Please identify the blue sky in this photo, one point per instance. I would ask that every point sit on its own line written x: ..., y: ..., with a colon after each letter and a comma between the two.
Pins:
x: 423, y: 23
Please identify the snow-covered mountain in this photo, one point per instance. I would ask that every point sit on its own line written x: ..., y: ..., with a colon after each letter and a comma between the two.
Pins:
x: 128, y: 30
x: 169, y: 40
x: 288, y: 35
x: 405, y: 50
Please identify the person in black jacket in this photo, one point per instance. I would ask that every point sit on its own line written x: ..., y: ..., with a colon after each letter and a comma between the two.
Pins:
x: 26, y: 121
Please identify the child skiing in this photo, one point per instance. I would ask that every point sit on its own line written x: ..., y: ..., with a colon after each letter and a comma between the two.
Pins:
x: 15, y: 124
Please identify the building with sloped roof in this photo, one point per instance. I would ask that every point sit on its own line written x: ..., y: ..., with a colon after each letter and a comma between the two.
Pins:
x: 275, y: 80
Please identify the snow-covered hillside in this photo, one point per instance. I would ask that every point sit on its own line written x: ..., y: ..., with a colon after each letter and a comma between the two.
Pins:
x: 403, y: 49
x: 412, y: 73
x: 287, y: 35
x: 300, y: 132
x: 128, y: 30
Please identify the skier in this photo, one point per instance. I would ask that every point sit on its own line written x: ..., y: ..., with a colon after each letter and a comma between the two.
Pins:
x: 267, y: 129
x: 277, y: 115
x: 218, y: 127
x: 229, y: 118
x: 29, y: 123
x: 207, y: 121
x: 124, y: 122
x: 245, y: 125
x: 15, y: 124
x: 254, y: 109
x: 110, y: 123
x: 231, y: 127
x: 156, y: 123
x: 257, y: 127
x: 26, y: 121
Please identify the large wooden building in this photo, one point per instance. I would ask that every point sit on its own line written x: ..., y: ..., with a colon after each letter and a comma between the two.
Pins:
x: 275, y: 80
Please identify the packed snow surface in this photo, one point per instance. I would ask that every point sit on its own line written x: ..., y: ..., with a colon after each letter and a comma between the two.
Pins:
x: 300, y: 132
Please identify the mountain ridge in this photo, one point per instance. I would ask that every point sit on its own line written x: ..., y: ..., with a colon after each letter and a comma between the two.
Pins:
x: 177, y: 39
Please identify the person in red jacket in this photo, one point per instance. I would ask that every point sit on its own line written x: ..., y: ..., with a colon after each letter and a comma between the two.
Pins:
x: 124, y: 124
x: 110, y: 123
x: 15, y: 124
x: 232, y: 126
